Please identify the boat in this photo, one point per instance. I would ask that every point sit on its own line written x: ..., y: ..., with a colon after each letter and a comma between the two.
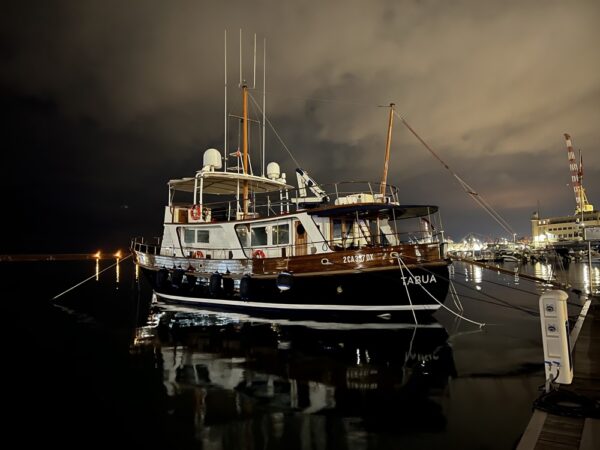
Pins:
x: 510, y: 257
x: 236, y: 240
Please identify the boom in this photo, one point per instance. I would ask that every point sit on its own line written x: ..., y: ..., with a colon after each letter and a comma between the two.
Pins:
x: 581, y: 202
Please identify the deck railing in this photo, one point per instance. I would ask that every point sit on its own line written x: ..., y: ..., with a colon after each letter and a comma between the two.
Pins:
x: 284, y: 202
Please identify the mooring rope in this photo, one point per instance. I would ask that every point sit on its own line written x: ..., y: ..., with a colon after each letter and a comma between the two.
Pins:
x: 455, y: 297
x: 436, y: 300
x: 408, y: 293
x: 501, y: 302
x: 93, y: 276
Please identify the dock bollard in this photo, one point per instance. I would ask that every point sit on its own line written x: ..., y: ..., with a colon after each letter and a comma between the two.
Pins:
x: 555, y: 336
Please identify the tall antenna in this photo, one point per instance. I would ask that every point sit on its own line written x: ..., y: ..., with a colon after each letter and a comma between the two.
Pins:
x: 245, y: 148
x: 254, y: 64
x: 225, y: 122
x: 264, y: 102
x: 240, y: 85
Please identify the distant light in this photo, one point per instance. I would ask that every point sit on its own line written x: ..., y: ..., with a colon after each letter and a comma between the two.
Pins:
x: 118, y: 254
x: 98, y: 254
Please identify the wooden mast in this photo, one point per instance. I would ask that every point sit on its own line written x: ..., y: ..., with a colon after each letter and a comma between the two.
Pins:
x: 245, y: 148
x: 387, y: 151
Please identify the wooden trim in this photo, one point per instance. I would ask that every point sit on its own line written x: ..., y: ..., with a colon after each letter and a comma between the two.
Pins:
x: 374, y: 258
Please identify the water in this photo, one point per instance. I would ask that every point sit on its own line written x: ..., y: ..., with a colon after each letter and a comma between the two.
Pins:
x: 107, y: 366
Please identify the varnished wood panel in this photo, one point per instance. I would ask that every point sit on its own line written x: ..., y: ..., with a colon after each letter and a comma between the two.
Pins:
x: 366, y: 258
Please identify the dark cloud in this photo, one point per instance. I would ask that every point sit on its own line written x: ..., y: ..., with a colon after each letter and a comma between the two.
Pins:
x: 104, y: 101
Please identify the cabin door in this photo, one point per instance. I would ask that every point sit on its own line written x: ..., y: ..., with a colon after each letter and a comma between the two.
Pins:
x: 301, y: 239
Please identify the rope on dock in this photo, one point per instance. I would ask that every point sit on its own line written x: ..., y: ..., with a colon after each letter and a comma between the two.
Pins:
x: 562, y: 402
x: 92, y: 277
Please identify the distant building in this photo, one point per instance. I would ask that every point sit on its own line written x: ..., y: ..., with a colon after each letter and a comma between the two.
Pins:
x: 551, y: 230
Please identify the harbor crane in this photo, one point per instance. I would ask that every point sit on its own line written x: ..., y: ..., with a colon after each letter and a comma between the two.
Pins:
x: 581, y: 202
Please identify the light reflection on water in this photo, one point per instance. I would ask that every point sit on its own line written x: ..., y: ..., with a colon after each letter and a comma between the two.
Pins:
x: 344, y: 385
x: 575, y: 274
x: 473, y: 273
x: 269, y: 379
x: 229, y: 381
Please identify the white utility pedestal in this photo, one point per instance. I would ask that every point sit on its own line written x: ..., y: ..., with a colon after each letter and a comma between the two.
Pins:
x: 555, y: 336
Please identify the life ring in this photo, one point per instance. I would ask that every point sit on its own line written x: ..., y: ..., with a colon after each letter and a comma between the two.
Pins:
x: 258, y: 254
x: 196, y: 212
x: 198, y: 254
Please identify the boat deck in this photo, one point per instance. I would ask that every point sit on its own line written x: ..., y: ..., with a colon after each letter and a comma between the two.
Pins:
x: 550, y: 431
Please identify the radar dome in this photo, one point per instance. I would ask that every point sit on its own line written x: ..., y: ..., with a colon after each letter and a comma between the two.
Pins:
x: 212, y: 158
x: 273, y: 171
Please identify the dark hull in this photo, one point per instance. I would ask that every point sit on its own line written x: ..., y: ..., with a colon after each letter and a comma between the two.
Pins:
x: 353, y: 295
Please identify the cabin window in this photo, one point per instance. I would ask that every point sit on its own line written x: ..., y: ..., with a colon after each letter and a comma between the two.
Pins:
x: 337, y: 229
x: 189, y: 235
x: 342, y: 229
x: 281, y: 234
x: 258, y: 236
x: 202, y: 236
x: 384, y: 239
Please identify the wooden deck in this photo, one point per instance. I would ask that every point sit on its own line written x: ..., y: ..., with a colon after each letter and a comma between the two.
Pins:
x: 551, y: 432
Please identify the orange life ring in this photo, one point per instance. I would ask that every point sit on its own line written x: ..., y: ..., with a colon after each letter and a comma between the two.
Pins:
x: 258, y: 254
x: 198, y: 254
x: 196, y: 212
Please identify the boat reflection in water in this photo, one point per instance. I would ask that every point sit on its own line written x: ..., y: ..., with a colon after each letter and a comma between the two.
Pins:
x: 242, y: 382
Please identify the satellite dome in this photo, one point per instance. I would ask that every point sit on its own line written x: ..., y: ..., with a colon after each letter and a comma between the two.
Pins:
x: 273, y: 171
x: 212, y: 158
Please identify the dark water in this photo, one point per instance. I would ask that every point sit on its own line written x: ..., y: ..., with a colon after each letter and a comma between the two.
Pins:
x: 107, y: 366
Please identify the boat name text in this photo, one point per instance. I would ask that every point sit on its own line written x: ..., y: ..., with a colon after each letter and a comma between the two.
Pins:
x: 419, y: 279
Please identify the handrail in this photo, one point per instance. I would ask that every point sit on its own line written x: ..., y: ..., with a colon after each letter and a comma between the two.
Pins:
x: 264, y: 206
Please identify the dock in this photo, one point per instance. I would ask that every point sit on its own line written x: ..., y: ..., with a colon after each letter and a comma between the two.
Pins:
x: 548, y: 431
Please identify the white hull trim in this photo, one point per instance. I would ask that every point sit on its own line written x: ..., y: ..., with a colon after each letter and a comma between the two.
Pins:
x: 299, y: 306
x: 306, y: 323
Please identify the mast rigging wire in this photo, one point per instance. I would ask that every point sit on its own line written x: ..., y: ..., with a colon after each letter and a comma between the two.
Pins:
x: 275, y: 131
x: 468, y: 189
x: 477, y: 197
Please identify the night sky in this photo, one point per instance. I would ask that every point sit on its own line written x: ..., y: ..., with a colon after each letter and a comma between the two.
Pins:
x: 104, y: 101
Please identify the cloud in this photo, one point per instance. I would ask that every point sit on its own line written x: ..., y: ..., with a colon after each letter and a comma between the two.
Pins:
x: 490, y: 85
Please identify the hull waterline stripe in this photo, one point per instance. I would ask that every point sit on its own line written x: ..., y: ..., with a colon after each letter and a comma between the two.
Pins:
x: 296, y: 306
